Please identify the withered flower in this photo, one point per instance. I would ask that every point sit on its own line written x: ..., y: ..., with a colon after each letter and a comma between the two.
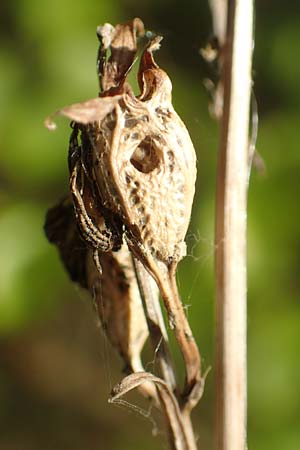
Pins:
x: 132, y: 179
x: 143, y: 160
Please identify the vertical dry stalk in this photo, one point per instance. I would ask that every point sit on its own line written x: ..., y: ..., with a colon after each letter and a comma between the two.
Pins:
x: 231, y: 283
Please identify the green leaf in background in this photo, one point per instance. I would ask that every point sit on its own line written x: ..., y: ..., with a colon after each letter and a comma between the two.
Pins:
x: 28, y: 267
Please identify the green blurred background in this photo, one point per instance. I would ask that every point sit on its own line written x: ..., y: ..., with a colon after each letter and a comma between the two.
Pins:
x: 56, y: 369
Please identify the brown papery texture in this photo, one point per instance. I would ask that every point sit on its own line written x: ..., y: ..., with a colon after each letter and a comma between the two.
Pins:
x: 132, y: 171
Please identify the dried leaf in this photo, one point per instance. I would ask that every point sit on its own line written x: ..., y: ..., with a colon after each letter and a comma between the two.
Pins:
x: 115, y: 292
x: 100, y: 230
x: 119, y: 305
x: 168, y: 401
x: 93, y: 110
x: 61, y: 230
x: 121, y: 41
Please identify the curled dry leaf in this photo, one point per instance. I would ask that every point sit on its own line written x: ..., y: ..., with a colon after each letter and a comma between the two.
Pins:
x: 117, y: 299
x: 156, y: 325
x: 115, y: 292
x: 122, y: 43
x: 177, y: 432
x: 85, y: 112
x: 61, y: 229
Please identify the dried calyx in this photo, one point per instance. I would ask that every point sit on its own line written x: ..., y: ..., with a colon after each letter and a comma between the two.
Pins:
x: 132, y: 179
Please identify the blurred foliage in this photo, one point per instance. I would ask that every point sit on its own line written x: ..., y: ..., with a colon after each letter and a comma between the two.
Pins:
x: 47, y: 60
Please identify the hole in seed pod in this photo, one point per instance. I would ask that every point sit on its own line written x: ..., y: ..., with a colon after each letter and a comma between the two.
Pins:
x: 135, y: 199
x: 144, y: 157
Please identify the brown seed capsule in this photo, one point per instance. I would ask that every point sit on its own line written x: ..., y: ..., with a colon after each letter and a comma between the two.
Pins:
x: 144, y: 166
x: 144, y: 161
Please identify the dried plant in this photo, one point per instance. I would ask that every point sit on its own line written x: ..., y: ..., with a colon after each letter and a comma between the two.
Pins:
x: 121, y: 230
x: 233, y: 27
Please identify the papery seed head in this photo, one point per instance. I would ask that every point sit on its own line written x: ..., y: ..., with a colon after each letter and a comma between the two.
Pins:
x: 147, y: 172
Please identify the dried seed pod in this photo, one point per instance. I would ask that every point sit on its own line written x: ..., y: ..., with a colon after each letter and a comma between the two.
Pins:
x: 144, y: 162
x: 144, y: 166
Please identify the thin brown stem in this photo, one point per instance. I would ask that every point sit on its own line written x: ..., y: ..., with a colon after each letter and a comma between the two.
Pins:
x: 158, y: 334
x: 232, y: 178
x: 183, y: 334
x: 178, y: 420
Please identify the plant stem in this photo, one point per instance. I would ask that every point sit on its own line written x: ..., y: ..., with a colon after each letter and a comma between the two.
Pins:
x: 231, y: 282
x: 184, y: 337
x: 155, y: 321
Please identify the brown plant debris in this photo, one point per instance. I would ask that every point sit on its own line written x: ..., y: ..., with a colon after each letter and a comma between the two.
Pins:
x: 132, y: 180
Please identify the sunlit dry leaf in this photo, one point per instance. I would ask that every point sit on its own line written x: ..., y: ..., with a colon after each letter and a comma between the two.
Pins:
x: 93, y: 110
x: 156, y: 324
x: 168, y: 401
